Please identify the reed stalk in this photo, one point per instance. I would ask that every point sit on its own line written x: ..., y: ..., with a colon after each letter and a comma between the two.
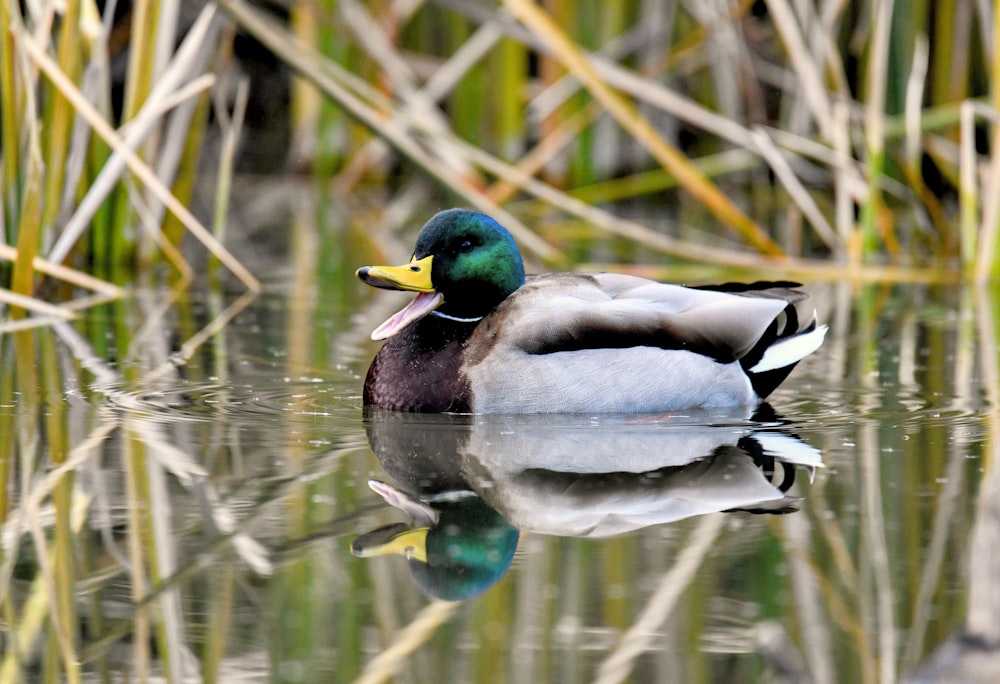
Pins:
x: 8, y: 444
x: 75, y: 277
x: 64, y: 565
x: 10, y: 86
x: 875, y: 123
x: 58, y: 118
x: 29, y: 228
x: 989, y: 263
x: 510, y: 63
x: 140, y: 168
x: 338, y: 85
x: 187, y: 177
x: 232, y: 126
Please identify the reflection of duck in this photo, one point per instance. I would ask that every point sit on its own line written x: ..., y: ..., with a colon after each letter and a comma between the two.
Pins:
x: 467, y: 483
x: 458, y: 548
x: 481, y: 338
x: 621, y: 475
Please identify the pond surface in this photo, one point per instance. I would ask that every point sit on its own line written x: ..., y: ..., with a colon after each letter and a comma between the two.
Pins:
x: 193, y: 492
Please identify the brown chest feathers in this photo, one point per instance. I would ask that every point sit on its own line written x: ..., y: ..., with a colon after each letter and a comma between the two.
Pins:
x: 420, y: 369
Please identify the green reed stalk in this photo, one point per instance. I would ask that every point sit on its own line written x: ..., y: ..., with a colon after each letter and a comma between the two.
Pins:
x: 232, y: 127
x: 471, y: 100
x: 657, y: 180
x: 944, y: 41
x: 336, y: 136
x: 581, y: 24
x: 510, y: 63
x: 138, y: 84
x: 97, y: 245
x: 62, y: 500
x: 968, y: 188
x: 137, y: 493
x: 196, y: 122
x: 58, y: 118
x: 139, y: 79
x: 304, y: 103
x: 9, y: 129
x: 29, y: 227
x: 877, y: 75
x: 8, y: 445
x: 187, y: 172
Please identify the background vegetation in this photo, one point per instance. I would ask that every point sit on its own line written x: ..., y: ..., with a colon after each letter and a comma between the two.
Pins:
x: 848, y: 136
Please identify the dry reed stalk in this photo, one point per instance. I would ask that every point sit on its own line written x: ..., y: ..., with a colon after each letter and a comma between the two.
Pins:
x: 810, y: 74
x: 15, y: 299
x: 64, y: 273
x: 370, y: 37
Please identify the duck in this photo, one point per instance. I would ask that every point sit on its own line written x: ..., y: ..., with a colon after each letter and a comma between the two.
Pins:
x: 482, y: 337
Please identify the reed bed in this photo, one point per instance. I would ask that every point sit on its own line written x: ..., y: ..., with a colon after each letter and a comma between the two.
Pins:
x: 96, y: 185
x: 849, y: 136
x: 855, y: 135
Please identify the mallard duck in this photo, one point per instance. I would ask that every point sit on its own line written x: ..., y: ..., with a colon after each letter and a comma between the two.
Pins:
x: 481, y: 337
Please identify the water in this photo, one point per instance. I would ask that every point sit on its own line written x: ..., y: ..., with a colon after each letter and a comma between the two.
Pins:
x: 214, y: 516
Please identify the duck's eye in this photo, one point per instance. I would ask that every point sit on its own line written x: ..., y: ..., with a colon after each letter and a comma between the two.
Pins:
x: 465, y: 246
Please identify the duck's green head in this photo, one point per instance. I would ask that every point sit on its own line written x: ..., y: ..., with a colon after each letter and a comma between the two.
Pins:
x: 464, y: 264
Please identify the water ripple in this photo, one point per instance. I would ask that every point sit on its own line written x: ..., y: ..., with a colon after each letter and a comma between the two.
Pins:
x: 208, y: 401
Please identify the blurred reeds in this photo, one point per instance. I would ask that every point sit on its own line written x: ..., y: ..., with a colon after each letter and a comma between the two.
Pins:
x: 829, y: 137
x: 100, y: 144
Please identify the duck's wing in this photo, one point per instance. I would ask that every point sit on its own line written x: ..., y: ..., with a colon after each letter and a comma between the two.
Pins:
x: 573, y: 312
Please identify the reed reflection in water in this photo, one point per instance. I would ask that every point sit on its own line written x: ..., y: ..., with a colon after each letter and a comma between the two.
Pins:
x: 184, y: 481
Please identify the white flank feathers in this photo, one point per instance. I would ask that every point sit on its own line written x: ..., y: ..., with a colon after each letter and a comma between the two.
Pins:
x: 789, y: 350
